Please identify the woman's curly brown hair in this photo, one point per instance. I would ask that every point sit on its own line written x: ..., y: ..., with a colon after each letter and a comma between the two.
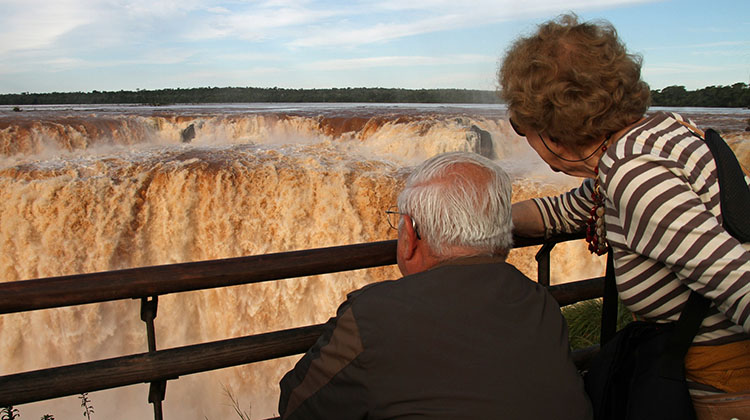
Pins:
x: 573, y: 81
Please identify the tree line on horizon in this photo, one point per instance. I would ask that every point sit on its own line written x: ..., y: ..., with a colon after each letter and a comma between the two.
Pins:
x: 253, y: 94
x: 734, y: 96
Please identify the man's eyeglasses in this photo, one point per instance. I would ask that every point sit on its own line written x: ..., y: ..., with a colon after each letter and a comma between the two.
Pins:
x: 394, y: 217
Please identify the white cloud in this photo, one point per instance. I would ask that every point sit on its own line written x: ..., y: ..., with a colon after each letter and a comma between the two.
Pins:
x: 156, y: 8
x: 218, y: 10
x: 677, y: 68
x: 222, y: 41
x: 32, y: 63
x: 256, y: 23
x: 466, y: 80
x: 713, y: 45
x: 706, y: 45
x: 353, y: 36
x: 33, y: 24
x: 732, y: 54
x: 432, y: 16
x: 248, y: 56
x: 397, y: 61
x: 29, y: 24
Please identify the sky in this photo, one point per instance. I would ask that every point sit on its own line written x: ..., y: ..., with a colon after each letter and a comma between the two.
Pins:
x: 110, y: 45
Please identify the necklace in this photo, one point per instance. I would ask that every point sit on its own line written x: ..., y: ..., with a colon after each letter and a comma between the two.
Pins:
x: 596, y: 234
x: 603, y: 146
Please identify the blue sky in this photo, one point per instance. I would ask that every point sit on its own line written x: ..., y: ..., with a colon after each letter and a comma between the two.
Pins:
x: 84, y: 45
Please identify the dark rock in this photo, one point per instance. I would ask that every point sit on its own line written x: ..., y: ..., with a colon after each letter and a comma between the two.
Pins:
x: 484, y: 145
x: 188, y: 134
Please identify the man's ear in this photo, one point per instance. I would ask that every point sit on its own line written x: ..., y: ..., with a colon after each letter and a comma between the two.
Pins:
x: 410, y: 238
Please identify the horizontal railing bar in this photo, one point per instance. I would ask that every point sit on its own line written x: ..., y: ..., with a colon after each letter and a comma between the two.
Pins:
x: 521, y: 242
x: 576, y: 291
x: 136, y: 283
x: 166, y: 364
x: 171, y: 363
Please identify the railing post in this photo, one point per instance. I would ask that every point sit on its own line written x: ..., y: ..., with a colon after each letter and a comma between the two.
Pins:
x: 543, y: 263
x: 156, y: 389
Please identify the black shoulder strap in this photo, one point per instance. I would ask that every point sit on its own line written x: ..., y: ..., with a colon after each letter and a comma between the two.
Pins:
x: 735, y: 194
x: 691, y: 318
x: 609, y: 301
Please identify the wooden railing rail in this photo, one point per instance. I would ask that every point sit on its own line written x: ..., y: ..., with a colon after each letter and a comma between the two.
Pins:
x: 147, y: 283
x: 153, y: 366
x: 142, y: 282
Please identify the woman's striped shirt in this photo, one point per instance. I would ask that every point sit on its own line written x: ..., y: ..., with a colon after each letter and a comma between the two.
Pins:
x: 663, y: 221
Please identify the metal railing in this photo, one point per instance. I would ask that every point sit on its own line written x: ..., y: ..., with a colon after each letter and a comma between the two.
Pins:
x: 148, y: 283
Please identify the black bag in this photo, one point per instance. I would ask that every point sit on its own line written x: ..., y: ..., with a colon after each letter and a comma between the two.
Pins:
x: 639, y: 373
x: 623, y: 381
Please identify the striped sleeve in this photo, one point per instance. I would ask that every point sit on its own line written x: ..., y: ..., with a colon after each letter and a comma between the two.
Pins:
x: 568, y: 212
x: 664, y: 221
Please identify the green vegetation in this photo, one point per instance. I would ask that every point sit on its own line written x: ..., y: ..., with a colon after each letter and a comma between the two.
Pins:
x: 248, y: 94
x: 735, y: 96
x: 584, y: 321
x: 88, y: 409
x: 9, y: 413
x: 235, y: 403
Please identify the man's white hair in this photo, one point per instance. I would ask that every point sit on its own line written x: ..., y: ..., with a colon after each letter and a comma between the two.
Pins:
x: 460, y: 199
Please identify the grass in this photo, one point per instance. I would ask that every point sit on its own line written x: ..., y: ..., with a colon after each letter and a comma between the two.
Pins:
x: 235, y: 403
x: 9, y: 413
x: 88, y: 409
x: 584, y: 321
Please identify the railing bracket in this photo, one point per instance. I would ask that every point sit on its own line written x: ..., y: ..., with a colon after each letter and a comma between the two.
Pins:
x: 157, y: 389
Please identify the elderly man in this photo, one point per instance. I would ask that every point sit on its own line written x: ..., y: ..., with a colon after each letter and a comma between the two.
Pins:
x: 463, y: 335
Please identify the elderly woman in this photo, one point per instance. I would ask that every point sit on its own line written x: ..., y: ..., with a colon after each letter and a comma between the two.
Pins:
x: 650, y: 190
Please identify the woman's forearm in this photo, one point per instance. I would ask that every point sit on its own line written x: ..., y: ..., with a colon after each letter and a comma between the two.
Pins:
x: 527, y: 220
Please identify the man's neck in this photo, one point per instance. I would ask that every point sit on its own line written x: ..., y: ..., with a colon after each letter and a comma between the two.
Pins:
x: 471, y: 259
